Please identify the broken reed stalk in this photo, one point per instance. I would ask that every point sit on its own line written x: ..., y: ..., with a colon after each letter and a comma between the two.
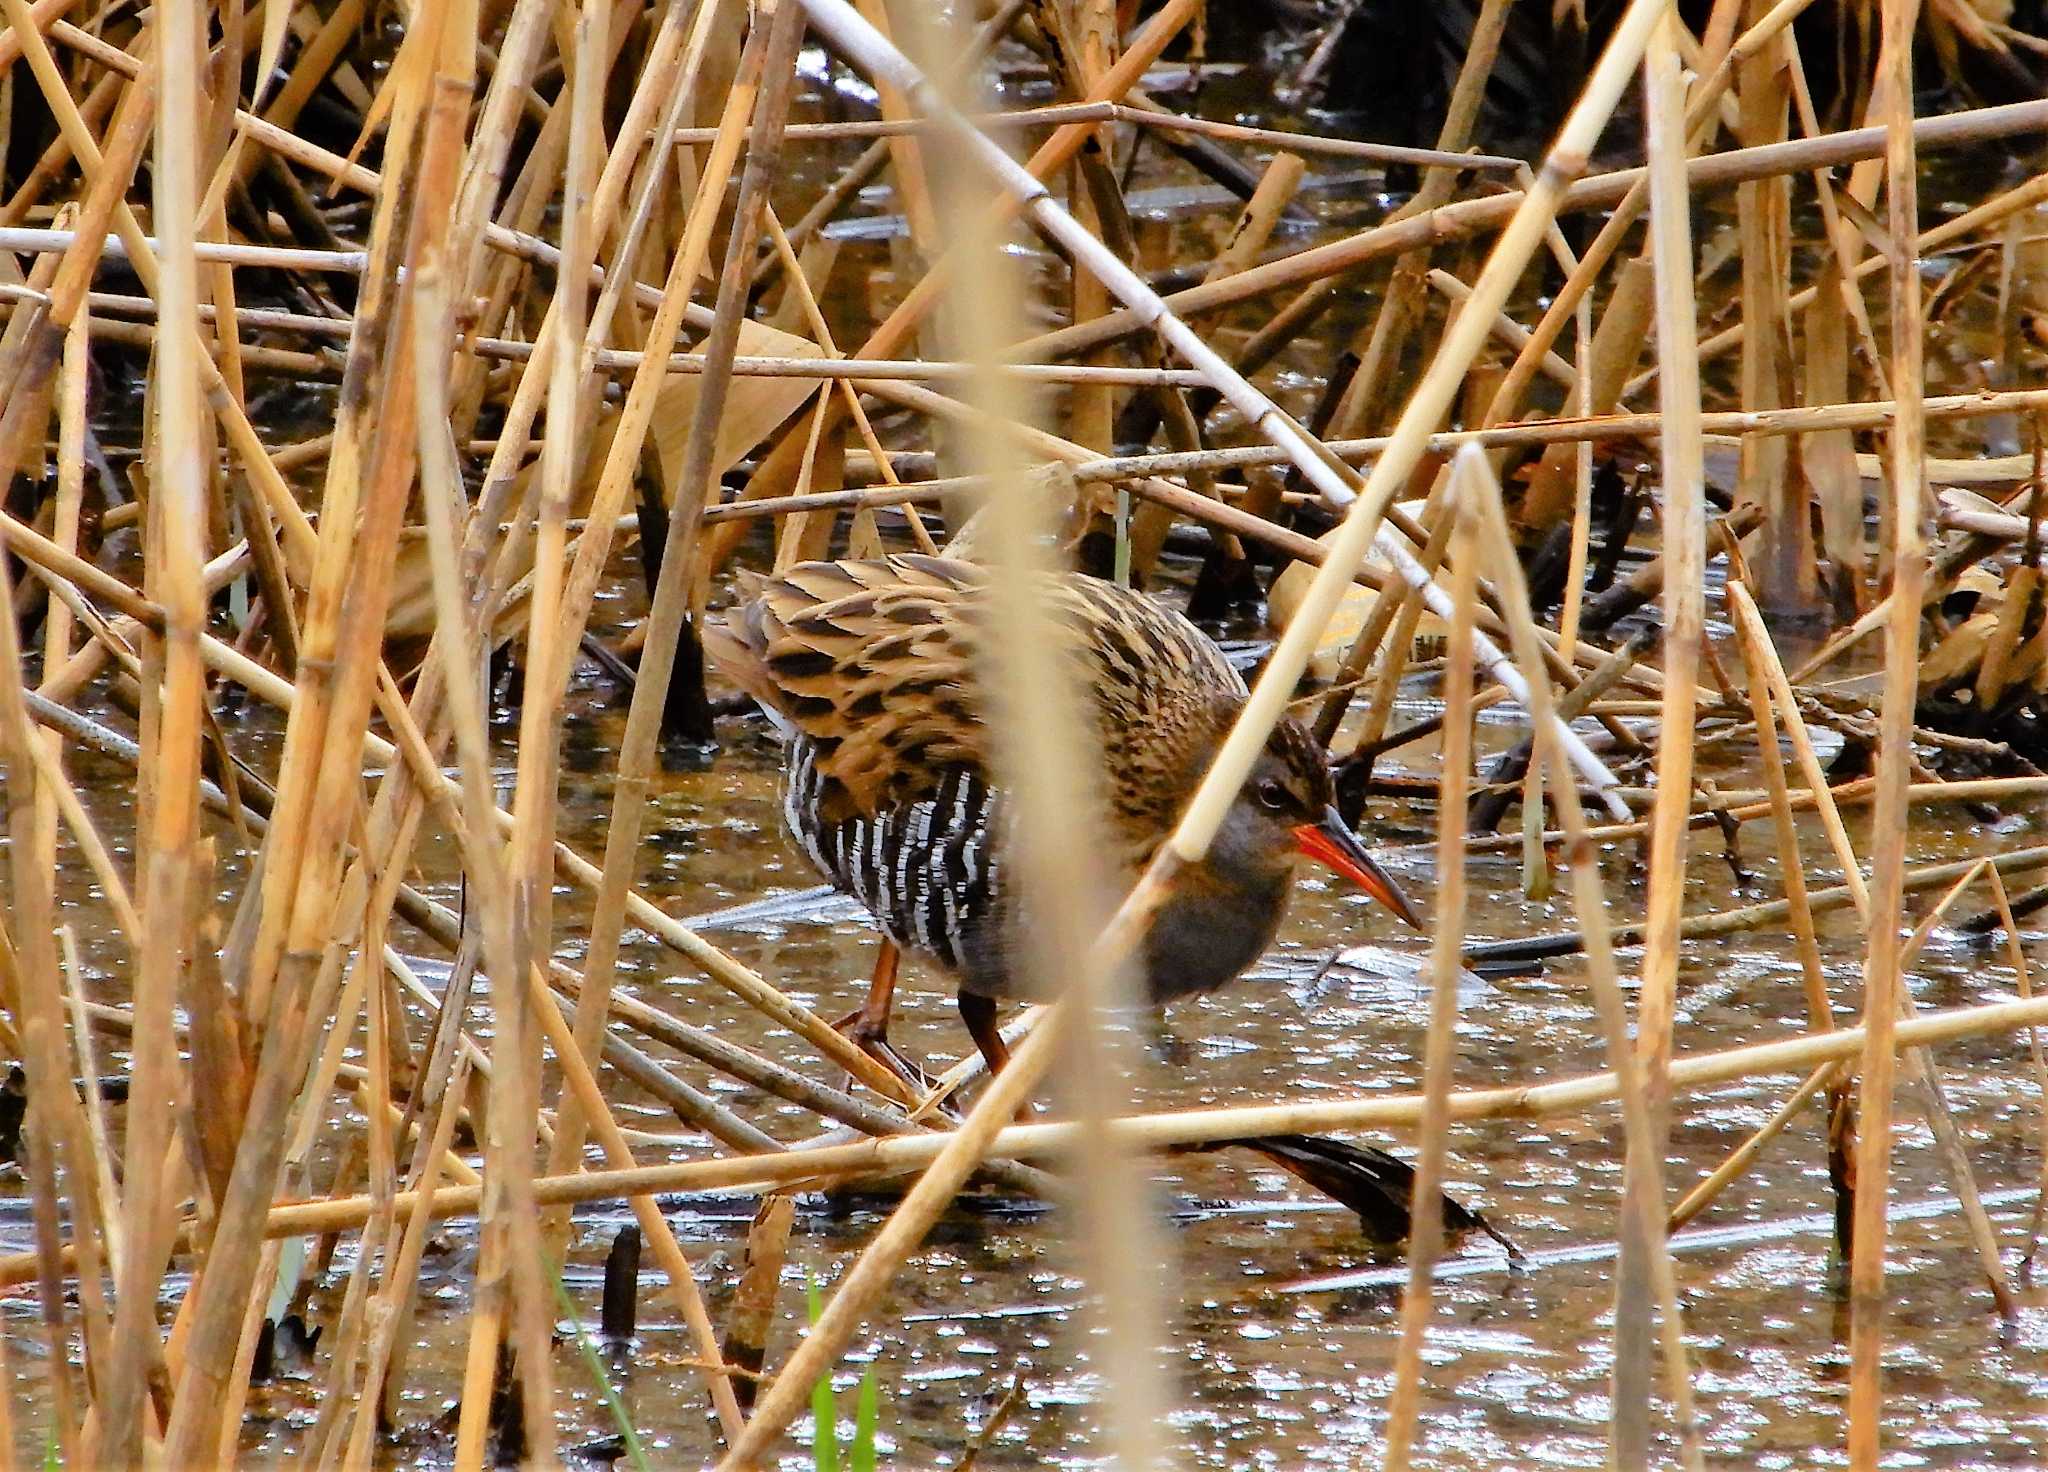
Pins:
x: 1750, y: 1150
x: 1792, y: 871
x: 2016, y: 954
x: 1756, y: 638
x: 1924, y: 1078
x: 1882, y: 985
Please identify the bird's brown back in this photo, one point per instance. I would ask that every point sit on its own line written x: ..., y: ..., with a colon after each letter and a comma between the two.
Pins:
x: 876, y: 663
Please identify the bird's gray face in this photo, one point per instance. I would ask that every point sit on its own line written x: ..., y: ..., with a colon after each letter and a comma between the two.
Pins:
x: 1284, y: 809
x: 1259, y: 834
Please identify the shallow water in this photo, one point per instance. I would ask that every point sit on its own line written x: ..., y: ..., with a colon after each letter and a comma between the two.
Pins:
x: 1275, y: 1370
x: 1276, y: 1364
x: 1285, y: 1321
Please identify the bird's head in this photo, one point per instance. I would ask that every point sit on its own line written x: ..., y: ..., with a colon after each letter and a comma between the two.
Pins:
x: 1286, y: 807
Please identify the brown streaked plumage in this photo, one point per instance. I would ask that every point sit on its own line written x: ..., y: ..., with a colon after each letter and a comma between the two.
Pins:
x: 871, y: 666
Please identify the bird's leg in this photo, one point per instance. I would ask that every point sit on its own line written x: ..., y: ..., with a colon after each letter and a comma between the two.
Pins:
x: 867, y: 1026
x: 869, y: 1023
x: 979, y: 1013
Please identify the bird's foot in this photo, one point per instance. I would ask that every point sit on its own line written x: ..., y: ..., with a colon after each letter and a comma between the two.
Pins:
x: 871, y: 1036
x: 1168, y: 1047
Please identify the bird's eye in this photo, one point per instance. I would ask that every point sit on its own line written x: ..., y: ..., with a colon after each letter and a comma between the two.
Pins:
x: 1272, y: 795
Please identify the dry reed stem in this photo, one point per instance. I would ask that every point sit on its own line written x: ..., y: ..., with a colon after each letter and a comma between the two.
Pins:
x: 1391, y: 626
x: 1792, y: 870
x: 1924, y: 1078
x: 486, y: 864
x: 1791, y: 866
x: 39, y: 1015
x: 1750, y: 1150
x: 1750, y: 628
x: 1643, y: 1195
x: 1797, y: 1054
x: 1882, y: 984
x: 101, y: 1196
x: 174, y: 551
x: 621, y: 463
x: 1684, y: 547
x: 2024, y: 974
x: 1787, y: 582
x: 1047, y: 762
x: 108, y: 176
x: 1426, y: 1223
x: 1684, y: 544
x: 1867, y: 414
x: 1471, y: 217
x: 1508, y: 330
x: 516, y: 1044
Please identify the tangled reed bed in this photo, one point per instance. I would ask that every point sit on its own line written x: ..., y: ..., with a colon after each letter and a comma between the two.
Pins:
x: 539, y: 253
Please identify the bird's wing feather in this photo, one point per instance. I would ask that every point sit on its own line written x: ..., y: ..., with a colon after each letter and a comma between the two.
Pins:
x: 870, y: 660
x: 875, y: 662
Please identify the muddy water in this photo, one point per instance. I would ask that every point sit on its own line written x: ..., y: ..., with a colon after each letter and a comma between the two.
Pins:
x: 1284, y: 1319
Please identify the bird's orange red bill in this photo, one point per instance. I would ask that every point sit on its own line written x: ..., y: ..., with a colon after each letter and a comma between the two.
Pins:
x: 1333, y: 844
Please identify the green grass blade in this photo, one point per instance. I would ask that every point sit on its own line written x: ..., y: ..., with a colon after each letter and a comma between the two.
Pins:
x: 824, y: 1427
x: 867, y: 1416
x: 824, y: 1411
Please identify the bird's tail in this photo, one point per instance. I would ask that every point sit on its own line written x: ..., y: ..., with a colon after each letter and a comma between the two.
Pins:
x: 1378, y: 1186
x: 738, y: 646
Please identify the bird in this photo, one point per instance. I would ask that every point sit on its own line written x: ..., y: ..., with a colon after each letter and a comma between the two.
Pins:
x: 870, y: 667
